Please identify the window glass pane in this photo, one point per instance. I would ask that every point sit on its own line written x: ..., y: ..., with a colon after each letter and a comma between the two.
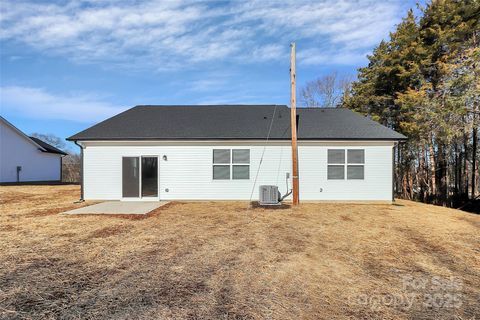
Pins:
x: 149, y: 176
x: 130, y: 177
x: 336, y: 172
x: 241, y: 156
x: 355, y: 172
x: 221, y: 172
x: 336, y: 156
x: 221, y: 156
x: 356, y: 156
x: 241, y: 172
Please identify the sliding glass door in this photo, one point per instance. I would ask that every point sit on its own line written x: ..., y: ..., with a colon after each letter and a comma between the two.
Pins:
x: 140, y: 177
x: 149, y: 176
x: 130, y: 177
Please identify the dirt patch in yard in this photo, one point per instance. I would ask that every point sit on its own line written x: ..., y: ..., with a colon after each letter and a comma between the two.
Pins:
x: 471, y: 219
x: 257, y: 205
x: 226, y: 260
x: 345, y: 218
x: 109, y: 231
x: 134, y: 216
x: 7, y: 227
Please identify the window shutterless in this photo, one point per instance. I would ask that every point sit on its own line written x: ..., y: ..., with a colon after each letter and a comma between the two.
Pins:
x: 355, y: 164
x: 336, y: 164
x: 221, y: 164
x: 338, y: 168
x: 231, y: 164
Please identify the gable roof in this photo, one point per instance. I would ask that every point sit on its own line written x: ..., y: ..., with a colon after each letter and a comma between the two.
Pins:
x: 20, y: 133
x: 235, y: 122
x: 41, y: 145
x: 48, y: 147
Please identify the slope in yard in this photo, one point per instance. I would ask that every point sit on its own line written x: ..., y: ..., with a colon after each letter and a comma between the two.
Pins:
x: 221, y: 260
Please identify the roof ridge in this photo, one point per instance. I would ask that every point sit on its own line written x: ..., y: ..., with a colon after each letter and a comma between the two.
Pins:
x: 322, y: 108
x: 209, y: 105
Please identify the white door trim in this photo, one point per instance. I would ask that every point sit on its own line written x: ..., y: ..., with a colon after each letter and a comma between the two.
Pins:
x: 140, y: 198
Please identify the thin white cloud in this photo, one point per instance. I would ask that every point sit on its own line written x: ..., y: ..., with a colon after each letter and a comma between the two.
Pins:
x: 207, y: 84
x: 169, y: 35
x: 330, y: 57
x: 269, y: 52
x: 37, y: 103
x: 230, y: 98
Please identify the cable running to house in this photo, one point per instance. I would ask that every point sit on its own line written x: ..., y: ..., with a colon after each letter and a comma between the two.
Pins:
x: 263, y: 153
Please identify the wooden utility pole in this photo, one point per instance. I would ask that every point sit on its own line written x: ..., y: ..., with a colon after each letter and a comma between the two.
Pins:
x: 293, y: 123
x: 474, y: 137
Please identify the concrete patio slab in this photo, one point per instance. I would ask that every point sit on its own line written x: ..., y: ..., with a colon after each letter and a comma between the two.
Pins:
x: 119, y: 207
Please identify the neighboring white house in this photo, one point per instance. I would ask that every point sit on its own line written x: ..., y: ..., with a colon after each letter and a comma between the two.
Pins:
x: 27, y: 159
x: 222, y: 152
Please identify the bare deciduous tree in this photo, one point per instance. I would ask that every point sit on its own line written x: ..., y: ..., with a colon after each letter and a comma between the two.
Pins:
x: 70, y: 162
x: 71, y: 168
x: 326, y: 91
x: 50, y: 139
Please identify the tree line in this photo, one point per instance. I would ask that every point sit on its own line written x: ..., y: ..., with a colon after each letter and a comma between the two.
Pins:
x: 423, y: 82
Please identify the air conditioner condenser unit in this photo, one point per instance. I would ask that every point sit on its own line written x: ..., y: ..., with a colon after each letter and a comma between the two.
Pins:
x: 269, y: 195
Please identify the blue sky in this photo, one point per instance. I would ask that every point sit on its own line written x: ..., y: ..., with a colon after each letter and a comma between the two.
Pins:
x: 66, y: 65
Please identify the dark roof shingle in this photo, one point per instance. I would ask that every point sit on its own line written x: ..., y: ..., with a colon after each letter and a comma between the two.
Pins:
x: 48, y: 147
x: 235, y: 122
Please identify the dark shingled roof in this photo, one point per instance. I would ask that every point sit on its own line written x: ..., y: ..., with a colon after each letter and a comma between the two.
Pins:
x: 48, y: 147
x: 230, y: 122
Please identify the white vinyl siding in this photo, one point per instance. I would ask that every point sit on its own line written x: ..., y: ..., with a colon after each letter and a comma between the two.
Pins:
x: 187, y: 172
x: 18, y: 150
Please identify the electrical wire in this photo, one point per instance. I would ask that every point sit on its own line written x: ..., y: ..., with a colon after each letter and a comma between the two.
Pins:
x: 263, y: 154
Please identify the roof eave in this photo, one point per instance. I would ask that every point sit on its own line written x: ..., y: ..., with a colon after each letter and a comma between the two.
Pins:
x: 54, y: 152
x: 230, y: 138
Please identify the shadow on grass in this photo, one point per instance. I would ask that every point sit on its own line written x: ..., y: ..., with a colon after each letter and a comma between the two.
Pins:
x: 256, y: 205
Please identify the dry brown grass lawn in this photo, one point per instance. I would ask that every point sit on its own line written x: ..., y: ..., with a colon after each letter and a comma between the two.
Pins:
x: 218, y: 260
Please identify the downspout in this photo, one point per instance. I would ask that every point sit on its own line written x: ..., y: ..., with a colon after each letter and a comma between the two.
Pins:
x: 81, y: 172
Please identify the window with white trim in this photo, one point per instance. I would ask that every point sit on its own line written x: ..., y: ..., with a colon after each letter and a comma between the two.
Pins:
x: 348, y: 163
x: 231, y: 164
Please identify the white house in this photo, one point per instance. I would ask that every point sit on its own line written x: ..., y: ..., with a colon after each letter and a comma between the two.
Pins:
x: 226, y: 152
x: 27, y: 159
